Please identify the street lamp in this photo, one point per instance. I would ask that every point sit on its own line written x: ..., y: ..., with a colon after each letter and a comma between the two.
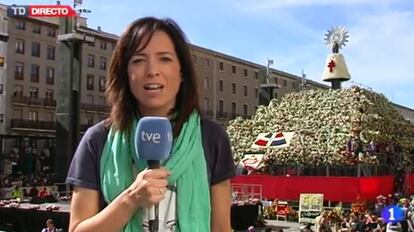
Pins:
x: 266, y: 87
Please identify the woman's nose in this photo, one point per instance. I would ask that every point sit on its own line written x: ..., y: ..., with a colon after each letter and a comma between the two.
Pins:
x: 152, y: 69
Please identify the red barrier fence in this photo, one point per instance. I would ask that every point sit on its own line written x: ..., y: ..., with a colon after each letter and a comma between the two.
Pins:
x: 410, y: 183
x: 335, y: 188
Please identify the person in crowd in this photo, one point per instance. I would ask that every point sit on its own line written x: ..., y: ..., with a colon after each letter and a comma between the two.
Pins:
x: 25, y: 193
x: 33, y: 192
x: 394, y: 227
x: 151, y: 74
x: 43, y: 193
x: 17, y: 192
x: 50, y: 226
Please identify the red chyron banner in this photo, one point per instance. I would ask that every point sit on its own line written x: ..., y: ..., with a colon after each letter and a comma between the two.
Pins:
x: 51, y: 11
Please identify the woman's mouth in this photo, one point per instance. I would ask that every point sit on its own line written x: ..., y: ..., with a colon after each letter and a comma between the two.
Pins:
x: 153, y: 86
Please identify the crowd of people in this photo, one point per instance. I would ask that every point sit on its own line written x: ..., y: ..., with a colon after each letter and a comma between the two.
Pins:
x: 369, y: 219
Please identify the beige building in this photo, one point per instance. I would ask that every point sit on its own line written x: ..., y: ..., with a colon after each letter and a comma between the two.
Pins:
x: 229, y: 86
x: 28, y: 81
x: 406, y: 112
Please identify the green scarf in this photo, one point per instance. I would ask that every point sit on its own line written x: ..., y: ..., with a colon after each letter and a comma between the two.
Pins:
x: 188, y: 168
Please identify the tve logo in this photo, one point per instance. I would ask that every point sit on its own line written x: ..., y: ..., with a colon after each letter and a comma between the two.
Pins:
x: 41, y: 11
x: 150, y: 137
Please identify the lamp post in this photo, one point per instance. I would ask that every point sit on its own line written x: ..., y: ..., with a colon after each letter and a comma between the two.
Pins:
x: 69, y: 65
x: 266, y: 87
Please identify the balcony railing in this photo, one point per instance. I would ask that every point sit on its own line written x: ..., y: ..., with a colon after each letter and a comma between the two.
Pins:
x: 221, y: 114
x: 20, y: 99
x: 49, y: 102
x: 34, y: 78
x: 93, y: 107
x: 50, y: 80
x: 207, y: 112
x: 233, y: 116
x: 35, y: 101
x: 29, y: 124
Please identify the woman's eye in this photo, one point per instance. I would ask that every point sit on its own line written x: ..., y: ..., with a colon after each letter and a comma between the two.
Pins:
x: 137, y: 60
x: 165, y: 59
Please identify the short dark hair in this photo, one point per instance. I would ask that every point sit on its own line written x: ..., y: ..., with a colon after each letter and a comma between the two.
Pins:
x: 50, y: 221
x: 124, y: 107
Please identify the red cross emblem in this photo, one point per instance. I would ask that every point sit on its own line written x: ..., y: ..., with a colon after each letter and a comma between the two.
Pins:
x: 331, y: 65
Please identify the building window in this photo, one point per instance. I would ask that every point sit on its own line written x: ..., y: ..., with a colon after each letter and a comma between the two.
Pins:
x: 18, y: 90
x: 207, y: 61
x: 284, y: 83
x: 206, y: 104
x: 33, y: 115
x: 34, y: 92
x: 221, y: 106
x: 104, y: 45
x: 233, y: 108
x: 256, y: 75
x: 19, y: 71
x: 1, y: 118
x: 245, y: 110
x: 20, y: 24
x: 49, y: 93
x: 276, y: 80
x: 245, y: 90
x: 89, y: 82
x: 102, y: 63
x: 36, y: 29
x: 19, y: 46
x: 245, y: 72
x: 51, y: 32
x: 89, y: 98
x: 256, y: 92
x: 221, y: 66
x: 36, y: 49
x: 194, y: 57
x: 91, y: 60
x: 34, y: 74
x: 205, y: 83
x: 50, y: 52
x: 233, y: 69
x: 233, y: 88
x: 91, y: 44
x: 221, y: 85
x: 50, y: 75
x: 101, y: 84
x: 1, y: 88
x: 101, y: 101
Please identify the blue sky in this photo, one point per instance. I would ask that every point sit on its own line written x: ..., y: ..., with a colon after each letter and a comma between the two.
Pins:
x: 379, y: 53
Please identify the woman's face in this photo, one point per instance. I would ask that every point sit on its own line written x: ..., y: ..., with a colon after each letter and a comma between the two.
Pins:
x: 154, y: 76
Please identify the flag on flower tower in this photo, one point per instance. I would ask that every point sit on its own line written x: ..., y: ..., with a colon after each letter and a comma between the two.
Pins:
x: 273, y: 140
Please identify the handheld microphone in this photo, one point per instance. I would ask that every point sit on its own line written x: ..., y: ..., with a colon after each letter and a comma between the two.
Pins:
x: 153, y: 142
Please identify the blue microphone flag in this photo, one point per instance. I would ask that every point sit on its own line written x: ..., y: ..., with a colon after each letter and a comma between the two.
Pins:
x: 153, y: 138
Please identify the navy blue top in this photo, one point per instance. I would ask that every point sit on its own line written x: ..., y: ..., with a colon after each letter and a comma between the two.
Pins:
x: 84, y: 169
